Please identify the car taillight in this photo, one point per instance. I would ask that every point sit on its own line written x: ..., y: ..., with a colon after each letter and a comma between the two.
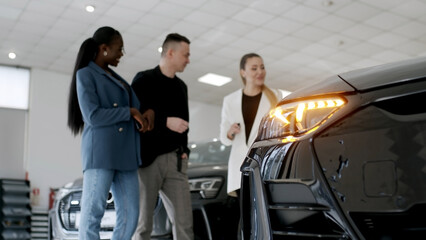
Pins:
x: 295, y: 119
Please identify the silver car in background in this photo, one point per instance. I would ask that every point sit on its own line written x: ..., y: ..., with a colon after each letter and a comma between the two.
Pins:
x: 64, y: 216
x: 215, y: 213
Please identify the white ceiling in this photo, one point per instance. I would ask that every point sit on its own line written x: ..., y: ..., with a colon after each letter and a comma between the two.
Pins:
x: 301, y: 41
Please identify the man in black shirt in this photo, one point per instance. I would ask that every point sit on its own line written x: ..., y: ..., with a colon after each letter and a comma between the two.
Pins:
x: 164, y: 149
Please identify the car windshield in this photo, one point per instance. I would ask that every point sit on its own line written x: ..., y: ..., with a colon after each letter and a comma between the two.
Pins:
x: 209, y: 153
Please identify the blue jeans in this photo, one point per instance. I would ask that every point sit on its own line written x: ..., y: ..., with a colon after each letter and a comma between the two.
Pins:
x: 125, y: 189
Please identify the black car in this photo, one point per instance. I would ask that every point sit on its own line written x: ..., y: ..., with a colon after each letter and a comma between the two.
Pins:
x: 342, y: 159
x: 215, y: 213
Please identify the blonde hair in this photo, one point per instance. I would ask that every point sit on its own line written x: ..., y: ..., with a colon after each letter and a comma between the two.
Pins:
x: 273, y: 100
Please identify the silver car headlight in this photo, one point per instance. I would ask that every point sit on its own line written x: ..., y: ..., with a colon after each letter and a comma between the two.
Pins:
x: 68, y: 208
x: 293, y: 120
x: 207, y: 187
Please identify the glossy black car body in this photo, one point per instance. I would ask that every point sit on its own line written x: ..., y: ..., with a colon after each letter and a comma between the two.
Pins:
x: 215, y: 214
x: 355, y: 169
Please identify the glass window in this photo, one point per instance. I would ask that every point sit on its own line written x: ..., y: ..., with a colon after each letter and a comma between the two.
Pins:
x: 14, y: 87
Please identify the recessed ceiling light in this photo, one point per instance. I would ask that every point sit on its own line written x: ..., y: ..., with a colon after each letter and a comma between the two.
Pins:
x: 160, y: 49
x: 214, y: 79
x: 12, y: 55
x: 90, y: 8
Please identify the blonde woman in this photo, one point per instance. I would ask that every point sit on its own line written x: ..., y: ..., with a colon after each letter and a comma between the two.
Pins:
x: 242, y: 111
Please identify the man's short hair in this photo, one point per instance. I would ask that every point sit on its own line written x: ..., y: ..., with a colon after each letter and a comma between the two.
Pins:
x: 173, y: 38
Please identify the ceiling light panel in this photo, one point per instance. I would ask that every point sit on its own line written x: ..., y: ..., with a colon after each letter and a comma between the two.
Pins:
x: 214, y: 79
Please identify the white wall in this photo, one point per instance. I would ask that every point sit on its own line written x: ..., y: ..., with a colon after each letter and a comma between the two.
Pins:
x: 12, y: 142
x: 204, y: 121
x: 53, y: 154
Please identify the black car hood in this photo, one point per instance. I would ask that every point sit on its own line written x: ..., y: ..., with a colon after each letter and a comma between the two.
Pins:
x: 332, y: 85
x: 365, y: 79
x: 387, y: 74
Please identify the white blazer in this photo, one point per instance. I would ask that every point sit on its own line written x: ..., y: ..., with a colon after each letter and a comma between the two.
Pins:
x: 232, y: 113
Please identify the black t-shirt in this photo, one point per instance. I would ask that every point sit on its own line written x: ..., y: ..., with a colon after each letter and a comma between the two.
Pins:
x: 168, y: 97
x: 249, y: 109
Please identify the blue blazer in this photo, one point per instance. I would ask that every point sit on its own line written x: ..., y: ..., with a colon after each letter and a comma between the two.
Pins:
x: 110, y: 139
